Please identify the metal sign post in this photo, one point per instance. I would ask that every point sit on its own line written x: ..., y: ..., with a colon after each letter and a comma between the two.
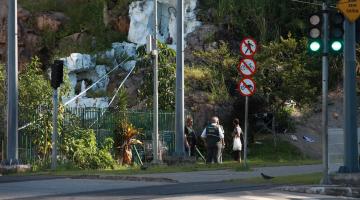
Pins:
x: 55, y: 133
x: 246, y: 129
x: 247, y: 86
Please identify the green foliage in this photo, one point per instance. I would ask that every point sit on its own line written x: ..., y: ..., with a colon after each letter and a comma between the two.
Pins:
x: 96, y: 93
x: 166, y: 77
x: 261, y: 19
x: 221, y: 65
x: 283, y: 118
x: 35, y: 102
x: 122, y: 100
x: 34, y: 89
x: 197, y: 78
x: 282, y: 152
x: 80, y: 148
x: 285, y: 72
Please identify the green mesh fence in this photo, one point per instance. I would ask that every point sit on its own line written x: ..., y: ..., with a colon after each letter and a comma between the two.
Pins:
x: 103, y: 122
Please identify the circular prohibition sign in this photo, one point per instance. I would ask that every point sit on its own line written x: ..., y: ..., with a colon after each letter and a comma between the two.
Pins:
x: 247, y: 67
x: 246, y: 87
x: 248, y: 47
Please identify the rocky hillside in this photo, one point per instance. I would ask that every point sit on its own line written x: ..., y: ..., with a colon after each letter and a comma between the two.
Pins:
x: 309, y: 124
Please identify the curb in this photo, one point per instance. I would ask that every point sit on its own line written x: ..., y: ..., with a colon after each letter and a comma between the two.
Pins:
x: 125, y: 178
x: 332, y: 190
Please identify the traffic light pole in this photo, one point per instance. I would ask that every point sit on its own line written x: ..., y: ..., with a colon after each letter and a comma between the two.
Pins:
x: 54, y: 135
x: 351, y: 159
x: 325, y: 75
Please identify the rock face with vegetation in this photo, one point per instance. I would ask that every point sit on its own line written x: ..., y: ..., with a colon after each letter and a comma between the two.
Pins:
x: 29, y: 41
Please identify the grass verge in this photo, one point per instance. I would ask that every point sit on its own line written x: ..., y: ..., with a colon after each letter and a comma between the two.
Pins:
x: 132, y: 170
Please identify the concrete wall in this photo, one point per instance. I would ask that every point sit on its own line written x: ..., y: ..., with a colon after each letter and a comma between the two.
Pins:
x: 336, y: 148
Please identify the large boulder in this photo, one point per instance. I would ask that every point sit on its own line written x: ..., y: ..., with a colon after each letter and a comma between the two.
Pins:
x: 50, y: 21
x: 199, y: 41
x: 121, y: 24
x: 29, y: 42
x: 79, y: 62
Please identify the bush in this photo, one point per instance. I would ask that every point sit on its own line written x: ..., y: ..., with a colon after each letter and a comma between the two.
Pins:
x: 80, y: 148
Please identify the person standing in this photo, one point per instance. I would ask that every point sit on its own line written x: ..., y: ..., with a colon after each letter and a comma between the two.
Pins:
x: 190, y: 137
x: 223, y: 143
x: 237, y: 146
x: 213, y: 137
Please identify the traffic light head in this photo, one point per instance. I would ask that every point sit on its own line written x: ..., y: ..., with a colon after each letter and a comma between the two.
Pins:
x: 336, y: 32
x: 314, y: 36
x: 57, y: 70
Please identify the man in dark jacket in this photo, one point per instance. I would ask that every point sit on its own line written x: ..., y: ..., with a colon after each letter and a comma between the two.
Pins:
x: 213, y: 137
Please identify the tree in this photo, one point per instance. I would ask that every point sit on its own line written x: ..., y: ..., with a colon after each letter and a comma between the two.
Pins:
x: 35, y: 106
x: 286, y: 72
x: 167, y: 68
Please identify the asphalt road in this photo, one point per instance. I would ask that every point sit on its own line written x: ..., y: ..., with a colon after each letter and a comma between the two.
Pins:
x: 79, y: 189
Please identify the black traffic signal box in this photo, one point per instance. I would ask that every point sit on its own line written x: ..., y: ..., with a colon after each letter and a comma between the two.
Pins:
x: 57, y: 72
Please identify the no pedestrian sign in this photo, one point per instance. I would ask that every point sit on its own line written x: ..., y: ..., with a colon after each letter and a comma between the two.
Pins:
x: 246, y: 87
x: 248, y: 47
x: 247, y: 67
x: 350, y: 9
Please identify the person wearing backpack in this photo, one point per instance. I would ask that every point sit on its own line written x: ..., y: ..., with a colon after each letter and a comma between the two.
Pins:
x: 213, y: 137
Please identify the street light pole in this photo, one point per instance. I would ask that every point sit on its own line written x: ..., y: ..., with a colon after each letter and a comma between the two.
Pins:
x: 179, y: 119
x: 156, y: 91
x: 12, y: 83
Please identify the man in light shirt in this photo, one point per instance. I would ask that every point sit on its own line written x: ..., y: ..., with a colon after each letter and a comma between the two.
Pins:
x: 213, y: 137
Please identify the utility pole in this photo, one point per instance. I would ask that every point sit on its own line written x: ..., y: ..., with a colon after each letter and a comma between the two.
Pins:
x: 155, y: 135
x: 179, y: 119
x: 325, y: 75
x: 351, y: 159
x: 12, y: 90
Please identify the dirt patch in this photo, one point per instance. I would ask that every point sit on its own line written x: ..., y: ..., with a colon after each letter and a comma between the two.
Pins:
x: 309, y: 125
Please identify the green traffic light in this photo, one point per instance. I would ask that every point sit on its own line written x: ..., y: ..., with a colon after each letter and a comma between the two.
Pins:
x: 336, y: 46
x: 315, y: 46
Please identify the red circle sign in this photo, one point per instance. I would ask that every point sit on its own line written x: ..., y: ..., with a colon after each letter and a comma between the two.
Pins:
x: 246, y: 87
x: 247, y: 67
x: 248, y: 47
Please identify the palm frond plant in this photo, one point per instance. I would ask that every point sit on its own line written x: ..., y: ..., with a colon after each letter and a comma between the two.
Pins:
x: 126, y: 134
